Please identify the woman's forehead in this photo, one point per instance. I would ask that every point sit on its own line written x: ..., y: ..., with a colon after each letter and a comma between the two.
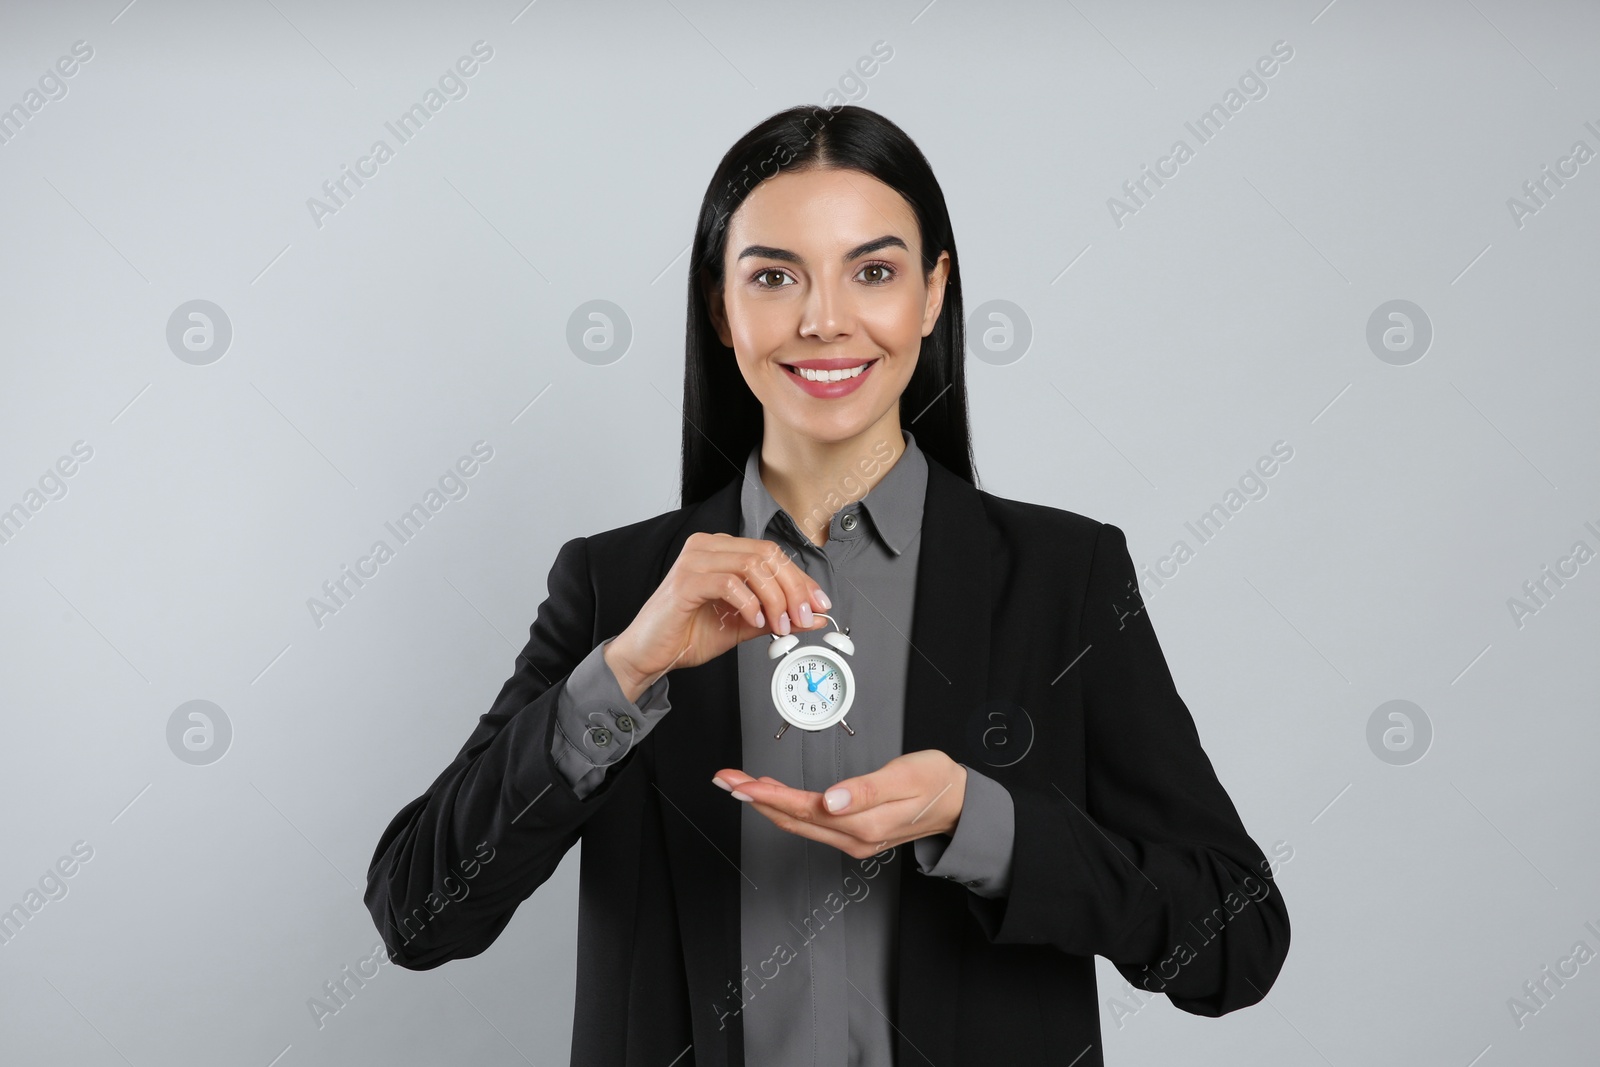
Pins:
x: 826, y: 213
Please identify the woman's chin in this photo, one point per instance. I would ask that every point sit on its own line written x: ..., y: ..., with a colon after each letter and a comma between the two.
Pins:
x: 832, y: 428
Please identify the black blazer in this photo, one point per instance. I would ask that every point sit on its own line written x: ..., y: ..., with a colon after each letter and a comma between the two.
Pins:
x: 1126, y: 845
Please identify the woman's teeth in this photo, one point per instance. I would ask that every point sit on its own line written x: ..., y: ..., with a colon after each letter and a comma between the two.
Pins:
x: 830, y: 375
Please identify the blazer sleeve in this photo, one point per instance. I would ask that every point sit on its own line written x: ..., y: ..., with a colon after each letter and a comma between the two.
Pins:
x: 1154, y: 870
x: 452, y: 866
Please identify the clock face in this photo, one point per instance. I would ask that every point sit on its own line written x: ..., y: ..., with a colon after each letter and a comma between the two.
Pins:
x: 812, y: 687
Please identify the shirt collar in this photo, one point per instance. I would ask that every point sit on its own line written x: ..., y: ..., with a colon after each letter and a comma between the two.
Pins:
x: 894, y: 504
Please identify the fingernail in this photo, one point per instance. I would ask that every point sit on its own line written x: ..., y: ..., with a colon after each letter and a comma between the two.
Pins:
x: 761, y: 619
x: 837, y: 799
x: 723, y: 784
x: 783, y: 623
x: 822, y: 600
x: 805, y: 614
x: 740, y: 796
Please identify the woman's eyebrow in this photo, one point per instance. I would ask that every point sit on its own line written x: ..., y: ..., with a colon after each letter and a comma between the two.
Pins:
x: 768, y: 252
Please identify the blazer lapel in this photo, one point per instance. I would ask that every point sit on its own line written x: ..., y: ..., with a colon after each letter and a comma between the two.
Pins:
x: 946, y: 682
x: 700, y: 825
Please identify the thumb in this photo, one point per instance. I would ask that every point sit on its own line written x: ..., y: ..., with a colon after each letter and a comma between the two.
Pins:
x: 850, y: 795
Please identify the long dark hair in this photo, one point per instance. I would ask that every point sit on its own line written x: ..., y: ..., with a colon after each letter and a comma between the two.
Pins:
x: 722, y: 419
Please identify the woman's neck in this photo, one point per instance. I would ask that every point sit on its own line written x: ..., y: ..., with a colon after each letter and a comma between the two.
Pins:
x: 812, y: 479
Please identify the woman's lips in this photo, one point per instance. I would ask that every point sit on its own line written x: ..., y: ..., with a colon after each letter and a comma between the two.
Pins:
x: 829, y: 390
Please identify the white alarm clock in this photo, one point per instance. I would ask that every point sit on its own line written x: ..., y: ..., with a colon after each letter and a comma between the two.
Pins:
x: 812, y: 686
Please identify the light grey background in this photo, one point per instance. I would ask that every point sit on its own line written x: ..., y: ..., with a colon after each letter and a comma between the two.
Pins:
x: 432, y: 311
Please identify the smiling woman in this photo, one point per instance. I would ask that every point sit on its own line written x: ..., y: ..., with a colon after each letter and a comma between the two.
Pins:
x: 824, y: 319
x: 826, y: 315
x: 823, y: 266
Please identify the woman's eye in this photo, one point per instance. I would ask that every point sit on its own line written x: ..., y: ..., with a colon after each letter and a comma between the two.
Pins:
x: 885, y: 273
x: 771, y: 273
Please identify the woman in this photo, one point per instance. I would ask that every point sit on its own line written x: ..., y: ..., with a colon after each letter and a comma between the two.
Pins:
x: 744, y: 892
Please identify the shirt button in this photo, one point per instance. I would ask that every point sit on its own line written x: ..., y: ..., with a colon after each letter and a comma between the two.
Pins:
x: 848, y: 522
x: 625, y: 723
x: 601, y: 736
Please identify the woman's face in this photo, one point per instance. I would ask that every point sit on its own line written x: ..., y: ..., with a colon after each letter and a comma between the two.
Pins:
x: 823, y: 270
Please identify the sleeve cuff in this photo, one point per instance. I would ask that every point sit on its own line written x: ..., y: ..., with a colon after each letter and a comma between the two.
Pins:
x: 596, y: 725
x: 978, y: 854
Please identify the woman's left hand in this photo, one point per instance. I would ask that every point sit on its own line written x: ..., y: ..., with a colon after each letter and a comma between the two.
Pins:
x: 913, y: 795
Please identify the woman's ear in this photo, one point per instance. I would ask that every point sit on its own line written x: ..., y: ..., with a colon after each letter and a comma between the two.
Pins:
x: 936, y: 279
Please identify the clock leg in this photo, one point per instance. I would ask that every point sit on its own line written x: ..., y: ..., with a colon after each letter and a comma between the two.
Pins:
x: 847, y: 729
x: 779, y: 735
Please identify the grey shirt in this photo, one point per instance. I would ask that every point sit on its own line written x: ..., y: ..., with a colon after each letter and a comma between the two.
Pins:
x: 818, y: 928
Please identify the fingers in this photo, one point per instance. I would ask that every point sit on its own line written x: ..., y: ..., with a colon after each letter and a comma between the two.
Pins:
x: 804, y: 814
x: 732, y: 590
x: 719, y: 583
x: 858, y: 839
x: 758, y: 580
x: 801, y: 596
x: 849, y: 844
x: 788, y: 594
x: 733, y: 778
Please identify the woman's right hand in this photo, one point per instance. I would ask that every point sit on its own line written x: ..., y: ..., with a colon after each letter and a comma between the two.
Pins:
x: 721, y: 590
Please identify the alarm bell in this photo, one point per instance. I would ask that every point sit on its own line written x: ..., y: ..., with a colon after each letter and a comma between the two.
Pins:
x: 781, y: 646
